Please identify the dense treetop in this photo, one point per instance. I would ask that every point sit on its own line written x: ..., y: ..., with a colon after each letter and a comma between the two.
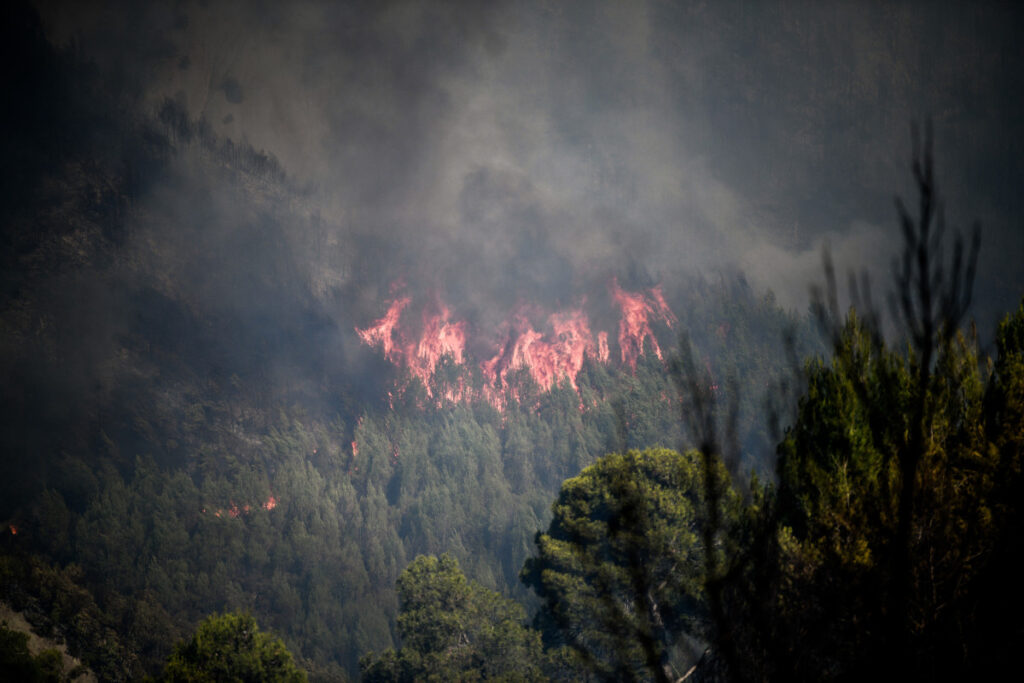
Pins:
x: 231, y: 648
x: 185, y: 435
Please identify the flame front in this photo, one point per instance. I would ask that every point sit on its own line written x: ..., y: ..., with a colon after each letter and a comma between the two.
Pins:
x: 552, y: 354
x: 439, y: 338
x: 548, y: 358
x: 635, y: 323
x: 382, y: 332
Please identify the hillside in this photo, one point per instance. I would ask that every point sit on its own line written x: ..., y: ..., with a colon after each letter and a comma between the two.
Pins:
x: 197, y: 416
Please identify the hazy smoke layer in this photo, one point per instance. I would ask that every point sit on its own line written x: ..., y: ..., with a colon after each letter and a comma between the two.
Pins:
x: 498, y: 152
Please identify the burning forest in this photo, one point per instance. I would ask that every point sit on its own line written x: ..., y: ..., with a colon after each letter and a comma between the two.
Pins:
x: 321, y: 313
x: 550, y: 346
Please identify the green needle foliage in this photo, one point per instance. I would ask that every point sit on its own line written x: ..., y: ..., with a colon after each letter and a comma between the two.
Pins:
x: 455, y: 629
x: 818, y: 593
x: 621, y: 568
x: 231, y: 648
x: 17, y: 663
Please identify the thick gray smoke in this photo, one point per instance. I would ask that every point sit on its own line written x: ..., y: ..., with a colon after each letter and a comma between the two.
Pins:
x: 500, y: 151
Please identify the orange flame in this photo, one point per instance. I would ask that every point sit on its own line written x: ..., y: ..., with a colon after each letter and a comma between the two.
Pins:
x: 663, y: 311
x: 548, y: 359
x: 635, y: 323
x: 270, y: 503
x: 14, y: 530
x: 438, y: 338
x: 550, y: 356
x: 381, y: 332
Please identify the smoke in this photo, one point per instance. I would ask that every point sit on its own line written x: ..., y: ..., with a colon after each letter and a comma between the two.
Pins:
x: 506, y: 152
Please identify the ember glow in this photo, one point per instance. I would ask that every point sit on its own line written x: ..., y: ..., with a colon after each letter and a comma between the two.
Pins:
x: 552, y: 352
x: 234, y: 511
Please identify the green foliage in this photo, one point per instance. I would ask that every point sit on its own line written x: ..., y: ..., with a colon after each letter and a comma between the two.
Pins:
x: 18, y: 664
x: 59, y: 607
x: 826, y: 544
x: 231, y: 647
x: 621, y: 568
x: 220, y: 382
x: 454, y: 629
x: 836, y: 464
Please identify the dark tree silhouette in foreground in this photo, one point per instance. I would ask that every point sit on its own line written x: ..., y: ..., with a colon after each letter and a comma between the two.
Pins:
x: 897, y: 485
x: 890, y: 542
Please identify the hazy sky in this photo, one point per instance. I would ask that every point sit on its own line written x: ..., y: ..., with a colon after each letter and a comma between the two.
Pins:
x: 536, y: 145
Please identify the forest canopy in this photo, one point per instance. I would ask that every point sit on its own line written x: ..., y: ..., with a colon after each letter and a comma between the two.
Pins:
x: 502, y: 416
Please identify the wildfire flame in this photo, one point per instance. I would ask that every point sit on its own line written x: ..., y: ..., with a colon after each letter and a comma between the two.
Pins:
x: 381, y: 332
x: 234, y: 511
x: 635, y: 323
x: 552, y: 354
x: 548, y: 358
x: 438, y: 338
